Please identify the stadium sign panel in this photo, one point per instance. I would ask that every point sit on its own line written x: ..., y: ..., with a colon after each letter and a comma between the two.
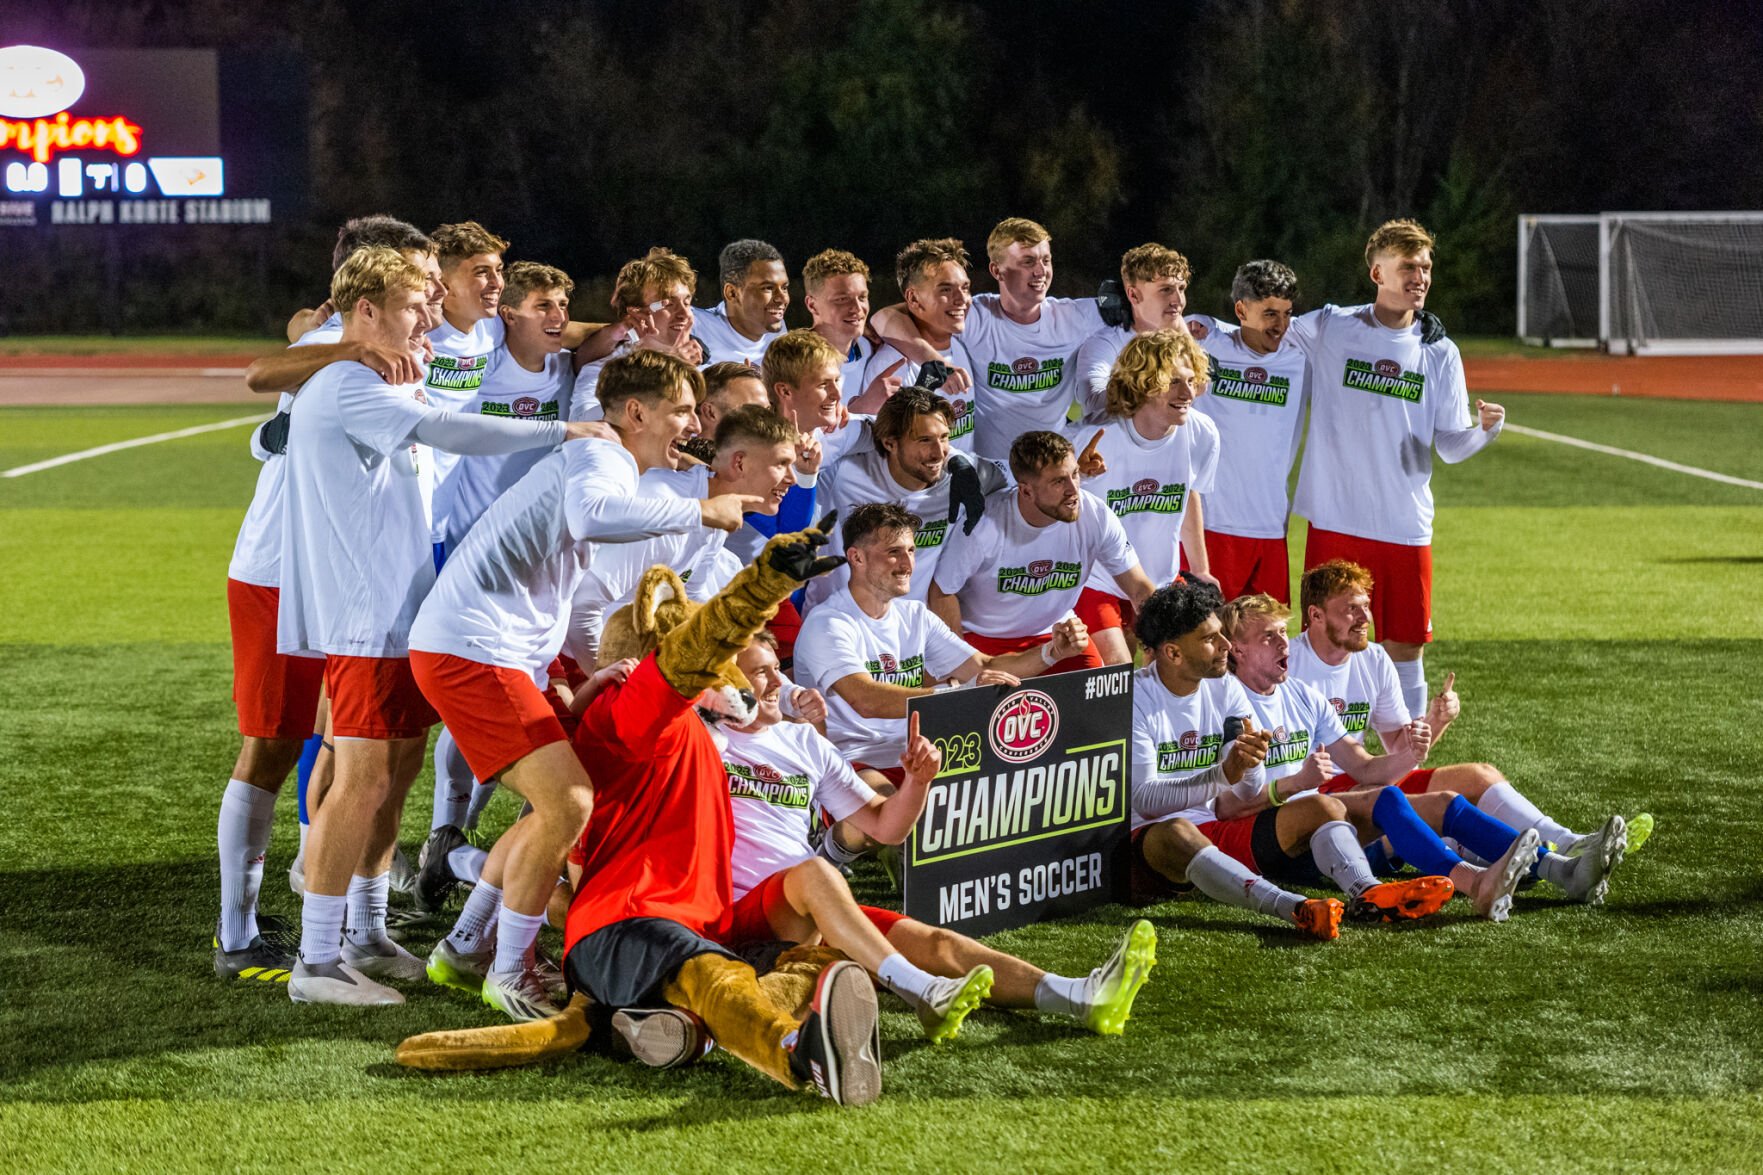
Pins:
x: 125, y: 137
x: 1028, y: 817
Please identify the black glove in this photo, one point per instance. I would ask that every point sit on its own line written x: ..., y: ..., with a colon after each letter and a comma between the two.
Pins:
x: 964, y: 491
x: 1111, y: 303
x: 1431, y: 329
x: 1211, y: 368
x: 273, y: 436
x: 798, y: 561
x: 932, y: 375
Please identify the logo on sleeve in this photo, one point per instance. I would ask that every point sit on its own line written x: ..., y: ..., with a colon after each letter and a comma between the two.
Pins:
x: 1354, y: 717
x: 1384, y: 377
x: 885, y: 667
x: 1193, y: 751
x: 1040, y: 577
x: 767, y: 785
x: 1149, y: 496
x: 1026, y: 374
x: 1251, y: 385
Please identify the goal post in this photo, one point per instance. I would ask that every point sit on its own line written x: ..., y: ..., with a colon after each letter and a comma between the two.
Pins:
x: 1558, y: 269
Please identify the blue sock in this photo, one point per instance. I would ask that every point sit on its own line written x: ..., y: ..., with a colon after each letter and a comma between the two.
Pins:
x: 303, y: 773
x: 1417, y: 844
x: 1476, y: 831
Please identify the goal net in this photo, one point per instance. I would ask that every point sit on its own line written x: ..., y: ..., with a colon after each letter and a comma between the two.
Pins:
x: 1643, y: 283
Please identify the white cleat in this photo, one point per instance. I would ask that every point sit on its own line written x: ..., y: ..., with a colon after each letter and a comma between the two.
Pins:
x: 337, y: 983
x: 383, y: 959
x: 519, y: 995
x: 1596, y: 858
x: 1494, y: 888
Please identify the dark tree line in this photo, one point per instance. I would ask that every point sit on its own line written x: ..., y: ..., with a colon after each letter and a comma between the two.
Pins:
x: 586, y: 132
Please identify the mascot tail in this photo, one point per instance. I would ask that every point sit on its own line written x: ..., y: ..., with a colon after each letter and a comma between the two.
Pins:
x: 500, y: 1046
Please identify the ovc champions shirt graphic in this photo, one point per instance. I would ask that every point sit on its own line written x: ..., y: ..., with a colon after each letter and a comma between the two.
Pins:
x: 456, y: 374
x: 1384, y: 377
x: 1192, y: 752
x: 767, y: 785
x: 1251, y: 385
x: 1040, y: 577
x: 1026, y: 374
x: 1148, y: 496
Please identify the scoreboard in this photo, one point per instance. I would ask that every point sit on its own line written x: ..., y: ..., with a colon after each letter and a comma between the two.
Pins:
x: 145, y: 137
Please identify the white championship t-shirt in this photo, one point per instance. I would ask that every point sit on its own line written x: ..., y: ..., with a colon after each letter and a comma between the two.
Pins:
x: 723, y: 343
x: 857, y: 358
x: 257, y: 553
x: 776, y: 778
x: 955, y: 355
x: 1093, y: 363
x: 1175, y: 738
x: 1379, y: 399
x: 1024, y: 379
x: 1257, y: 402
x: 1300, y: 719
x: 1017, y: 580
x: 908, y: 646
x: 1362, y: 690
x: 512, y: 392
x: 462, y: 360
x: 1148, y: 486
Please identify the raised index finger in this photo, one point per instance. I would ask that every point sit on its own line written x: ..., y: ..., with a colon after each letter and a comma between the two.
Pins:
x: 1090, y: 449
x: 912, y: 727
x: 1450, y: 680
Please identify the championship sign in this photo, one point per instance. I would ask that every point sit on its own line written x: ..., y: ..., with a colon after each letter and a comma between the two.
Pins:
x: 1028, y: 816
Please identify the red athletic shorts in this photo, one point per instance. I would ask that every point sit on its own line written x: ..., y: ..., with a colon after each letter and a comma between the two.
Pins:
x: 276, y: 696
x: 1090, y: 658
x: 1234, y: 838
x: 1414, y: 783
x: 747, y: 922
x: 375, y: 697
x: 1244, y: 566
x: 1101, y: 610
x: 1401, y: 581
x: 784, y: 626
x: 496, y: 714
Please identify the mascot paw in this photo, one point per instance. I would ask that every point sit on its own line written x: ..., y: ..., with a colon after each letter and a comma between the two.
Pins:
x: 794, y: 554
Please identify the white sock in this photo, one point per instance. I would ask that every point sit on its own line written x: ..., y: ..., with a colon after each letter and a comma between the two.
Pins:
x: 1503, y: 802
x: 478, y: 919
x: 1061, y: 995
x: 321, y: 927
x: 1464, y: 851
x: 903, y: 979
x: 367, y: 908
x: 1338, y: 854
x: 480, y: 799
x: 246, y: 815
x: 1412, y: 675
x: 514, y: 939
x: 467, y: 863
x: 1225, y: 880
x: 453, y: 783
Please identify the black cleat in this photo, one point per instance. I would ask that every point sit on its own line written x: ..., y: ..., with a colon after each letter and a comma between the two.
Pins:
x: 434, y: 879
x: 837, y: 1050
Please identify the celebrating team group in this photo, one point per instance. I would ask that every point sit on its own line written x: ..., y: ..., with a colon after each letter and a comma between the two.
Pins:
x: 590, y: 553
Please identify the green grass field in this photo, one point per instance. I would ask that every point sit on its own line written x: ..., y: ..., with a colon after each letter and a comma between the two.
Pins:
x: 1602, y: 616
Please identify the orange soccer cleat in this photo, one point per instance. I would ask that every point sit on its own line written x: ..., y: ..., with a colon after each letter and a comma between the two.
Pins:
x: 1320, y: 918
x: 1397, y: 901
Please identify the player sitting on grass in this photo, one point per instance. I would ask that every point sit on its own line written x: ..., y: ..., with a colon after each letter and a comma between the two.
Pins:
x: 1335, y: 656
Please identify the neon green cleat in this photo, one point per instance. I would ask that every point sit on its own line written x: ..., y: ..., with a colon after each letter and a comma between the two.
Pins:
x: 458, y: 970
x: 951, y: 1001
x: 1114, y: 985
x: 1639, y: 829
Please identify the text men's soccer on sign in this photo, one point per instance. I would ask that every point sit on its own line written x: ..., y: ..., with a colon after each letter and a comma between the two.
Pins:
x: 1029, y: 816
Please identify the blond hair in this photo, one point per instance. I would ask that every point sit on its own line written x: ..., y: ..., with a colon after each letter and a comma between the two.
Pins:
x: 1147, y: 365
x: 455, y: 242
x: 648, y: 376
x: 374, y: 273
x: 658, y: 267
x: 1404, y: 238
x: 917, y: 260
x: 1150, y: 261
x: 1247, y: 607
x: 792, y: 357
x: 524, y: 277
x: 1014, y: 230
x: 831, y: 263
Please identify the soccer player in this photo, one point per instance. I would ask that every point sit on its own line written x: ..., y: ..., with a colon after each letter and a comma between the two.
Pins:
x: 755, y: 294
x: 1024, y: 566
x: 779, y: 773
x: 728, y: 385
x: 1183, y: 762
x: 1155, y: 279
x: 652, y: 305
x: 1158, y: 458
x: 835, y: 289
x: 496, y: 617
x: 932, y: 276
x: 1310, y: 746
x: 1334, y: 655
x: 1382, y: 402
x: 1257, y: 400
x: 355, y: 561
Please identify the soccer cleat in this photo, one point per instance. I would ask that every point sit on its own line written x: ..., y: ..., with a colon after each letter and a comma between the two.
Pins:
x: 451, y: 967
x: 1598, y: 856
x: 551, y: 975
x: 663, y: 1037
x: 888, y: 856
x: 1320, y: 918
x: 382, y: 959
x: 837, y: 1049
x: 403, y: 878
x: 337, y: 983
x: 256, y: 960
x: 950, y: 1001
x: 1639, y: 829
x: 1494, y: 888
x: 1397, y: 901
x: 519, y: 995
x: 280, y: 933
x: 1112, y: 987
x: 434, y: 880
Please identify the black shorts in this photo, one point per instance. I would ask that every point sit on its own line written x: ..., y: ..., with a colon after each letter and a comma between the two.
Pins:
x: 1273, y: 862
x: 628, y: 964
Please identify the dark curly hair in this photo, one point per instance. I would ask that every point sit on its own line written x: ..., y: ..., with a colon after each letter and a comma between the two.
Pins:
x: 1174, y: 611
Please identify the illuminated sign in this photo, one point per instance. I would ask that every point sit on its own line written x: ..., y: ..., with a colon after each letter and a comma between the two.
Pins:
x: 36, y: 82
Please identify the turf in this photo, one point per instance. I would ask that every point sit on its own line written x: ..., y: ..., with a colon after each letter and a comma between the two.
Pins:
x: 1601, y: 615
x: 26, y: 345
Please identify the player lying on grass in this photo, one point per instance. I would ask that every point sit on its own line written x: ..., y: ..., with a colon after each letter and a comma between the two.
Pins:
x: 1334, y: 655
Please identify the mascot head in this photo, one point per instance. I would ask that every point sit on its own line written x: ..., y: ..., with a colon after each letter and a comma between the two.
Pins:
x: 660, y: 606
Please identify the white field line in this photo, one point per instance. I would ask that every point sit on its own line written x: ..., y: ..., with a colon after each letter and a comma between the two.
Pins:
x: 119, y: 446
x: 1645, y: 458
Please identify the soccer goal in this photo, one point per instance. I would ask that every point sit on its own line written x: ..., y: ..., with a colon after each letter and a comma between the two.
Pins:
x: 1643, y: 283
